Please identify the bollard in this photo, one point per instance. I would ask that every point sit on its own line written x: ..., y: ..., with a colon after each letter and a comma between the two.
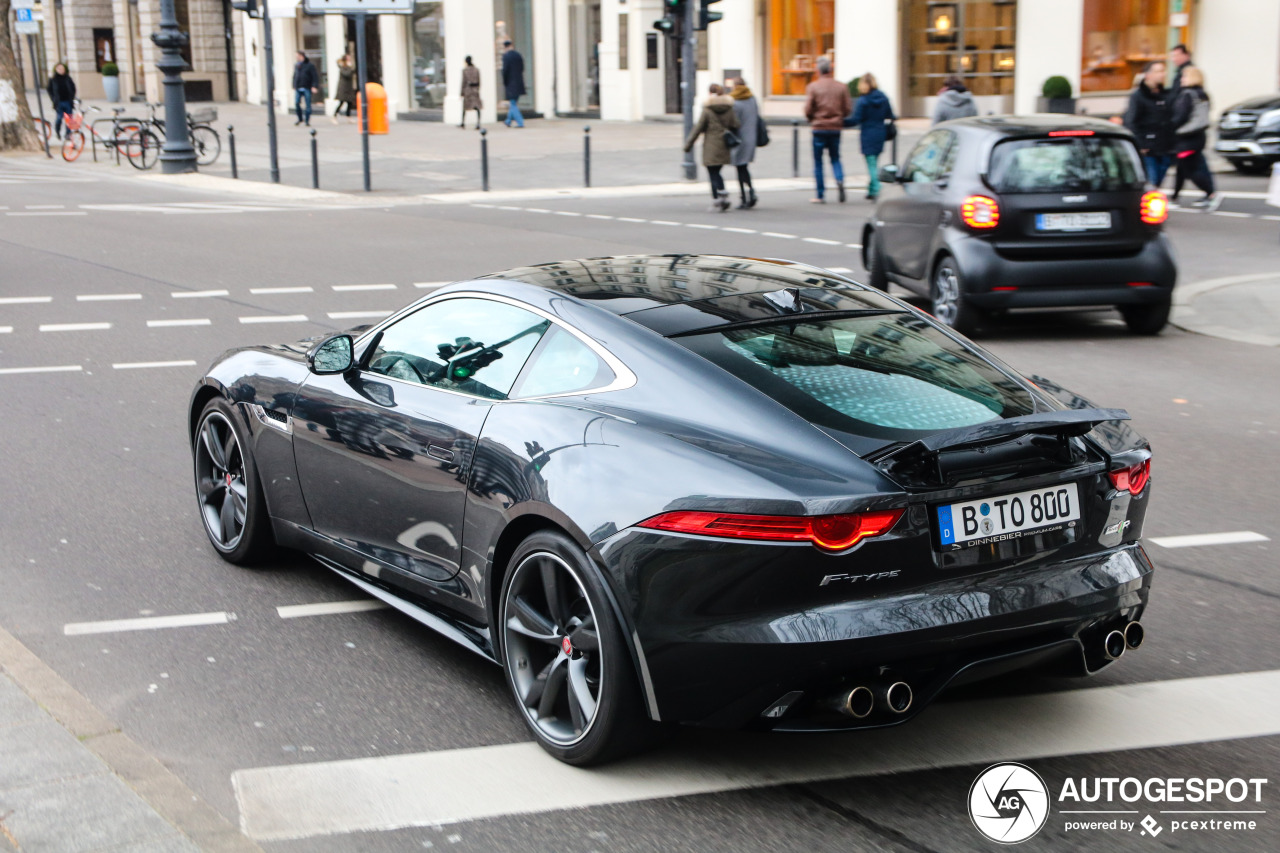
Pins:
x: 315, y: 162
x: 231, y: 142
x: 484, y: 159
x: 795, y: 148
x: 586, y: 156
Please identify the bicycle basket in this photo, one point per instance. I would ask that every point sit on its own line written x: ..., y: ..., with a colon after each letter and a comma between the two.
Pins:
x: 74, y: 121
x: 203, y: 116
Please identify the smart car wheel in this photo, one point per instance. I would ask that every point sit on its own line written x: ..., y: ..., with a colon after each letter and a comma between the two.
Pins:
x: 227, y: 489
x: 1146, y: 319
x: 876, y: 276
x: 564, y: 655
x: 950, y: 304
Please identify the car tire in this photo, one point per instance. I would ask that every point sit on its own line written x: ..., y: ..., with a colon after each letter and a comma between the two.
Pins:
x: 876, y: 276
x: 575, y: 687
x: 228, y: 491
x: 1146, y: 319
x: 949, y: 303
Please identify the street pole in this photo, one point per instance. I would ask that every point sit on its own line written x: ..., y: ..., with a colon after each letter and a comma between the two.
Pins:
x: 35, y: 71
x: 271, y: 91
x: 688, y: 81
x: 177, y: 155
x: 364, y: 95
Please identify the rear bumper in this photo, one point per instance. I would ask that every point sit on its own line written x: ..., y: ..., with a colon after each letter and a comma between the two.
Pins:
x: 1265, y: 148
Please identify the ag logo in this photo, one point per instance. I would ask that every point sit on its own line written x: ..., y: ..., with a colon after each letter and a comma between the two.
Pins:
x: 1008, y: 803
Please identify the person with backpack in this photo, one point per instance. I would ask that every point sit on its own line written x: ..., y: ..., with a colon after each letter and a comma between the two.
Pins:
x: 751, y: 132
x: 873, y: 116
x: 1148, y: 119
x: 717, y: 125
x: 1190, y: 120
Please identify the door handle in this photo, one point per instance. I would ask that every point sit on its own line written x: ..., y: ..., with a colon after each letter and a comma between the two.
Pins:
x: 435, y: 451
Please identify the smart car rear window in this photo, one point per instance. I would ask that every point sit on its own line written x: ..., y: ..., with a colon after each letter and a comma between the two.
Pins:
x: 1066, y: 164
x: 891, y: 376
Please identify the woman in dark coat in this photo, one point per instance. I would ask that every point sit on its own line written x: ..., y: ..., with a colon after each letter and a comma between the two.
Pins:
x: 1191, y: 124
x: 747, y: 109
x: 717, y: 117
x: 1148, y: 118
x: 871, y: 115
x: 470, y: 92
x: 346, y: 91
x: 62, y: 92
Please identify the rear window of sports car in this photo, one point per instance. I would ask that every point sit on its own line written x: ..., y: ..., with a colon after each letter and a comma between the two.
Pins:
x: 891, y: 376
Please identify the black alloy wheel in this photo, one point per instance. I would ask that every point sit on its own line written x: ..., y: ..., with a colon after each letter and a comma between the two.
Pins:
x: 230, y: 499
x: 876, y: 276
x: 950, y: 305
x: 564, y: 655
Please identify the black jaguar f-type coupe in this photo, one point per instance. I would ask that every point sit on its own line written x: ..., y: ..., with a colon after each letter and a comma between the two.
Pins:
x: 683, y: 488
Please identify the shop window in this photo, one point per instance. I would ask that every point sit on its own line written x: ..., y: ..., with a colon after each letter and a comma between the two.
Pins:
x: 973, y: 39
x: 1122, y: 36
x: 622, y: 41
x: 512, y: 19
x: 800, y: 33
x: 428, y: 55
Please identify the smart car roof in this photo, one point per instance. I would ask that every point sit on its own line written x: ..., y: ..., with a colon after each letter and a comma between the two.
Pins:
x: 1036, y: 124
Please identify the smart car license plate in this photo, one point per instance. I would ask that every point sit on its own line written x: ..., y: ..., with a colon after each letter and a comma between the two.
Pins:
x: 1073, y: 221
x: 1006, y: 517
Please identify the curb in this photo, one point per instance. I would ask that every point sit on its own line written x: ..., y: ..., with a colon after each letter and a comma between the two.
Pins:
x: 1185, y: 295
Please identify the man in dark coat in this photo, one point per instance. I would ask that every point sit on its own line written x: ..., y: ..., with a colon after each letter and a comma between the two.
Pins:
x: 513, y: 83
x: 306, y: 82
x: 1148, y: 118
x: 62, y: 91
x: 1181, y: 59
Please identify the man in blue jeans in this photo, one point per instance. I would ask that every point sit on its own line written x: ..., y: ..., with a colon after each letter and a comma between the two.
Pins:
x: 513, y: 83
x: 306, y: 81
x: 826, y: 104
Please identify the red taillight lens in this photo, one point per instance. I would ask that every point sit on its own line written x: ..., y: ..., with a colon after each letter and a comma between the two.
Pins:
x: 1132, y: 479
x: 979, y: 211
x: 1071, y: 133
x: 828, y: 532
x: 1155, y: 208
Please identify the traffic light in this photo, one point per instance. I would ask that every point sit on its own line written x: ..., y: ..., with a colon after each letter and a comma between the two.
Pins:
x: 705, y: 16
x: 672, y: 18
x: 248, y: 6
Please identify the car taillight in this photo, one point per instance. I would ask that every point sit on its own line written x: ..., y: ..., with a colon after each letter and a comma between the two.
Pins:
x: 1155, y: 208
x: 828, y: 532
x: 979, y: 211
x: 1132, y: 479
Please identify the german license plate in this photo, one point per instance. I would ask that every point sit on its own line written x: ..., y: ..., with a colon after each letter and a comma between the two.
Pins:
x: 1073, y: 221
x: 1007, y: 517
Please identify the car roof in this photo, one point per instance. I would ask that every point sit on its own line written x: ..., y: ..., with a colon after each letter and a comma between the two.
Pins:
x: 1031, y: 125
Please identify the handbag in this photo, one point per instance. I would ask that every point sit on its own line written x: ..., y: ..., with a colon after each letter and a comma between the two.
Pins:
x: 731, y: 139
x: 762, y: 132
x: 890, y: 131
x: 1198, y: 121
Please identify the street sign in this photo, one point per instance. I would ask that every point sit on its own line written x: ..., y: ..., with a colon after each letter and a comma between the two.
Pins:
x: 347, y: 7
x: 23, y: 4
x: 26, y: 24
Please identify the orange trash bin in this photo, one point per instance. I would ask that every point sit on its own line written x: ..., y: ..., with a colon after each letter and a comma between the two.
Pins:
x: 378, y: 122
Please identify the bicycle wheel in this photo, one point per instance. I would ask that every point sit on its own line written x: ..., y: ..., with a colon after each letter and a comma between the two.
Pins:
x: 72, y: 145
x: 43, y: 130
x: 143, y: 149
x: 205, y: 141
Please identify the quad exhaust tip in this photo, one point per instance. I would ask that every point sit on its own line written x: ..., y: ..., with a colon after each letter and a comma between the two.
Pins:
x: 896, y: 698
x: 1134, y: 633
x: 857, y: 702
x: 1114, y: 644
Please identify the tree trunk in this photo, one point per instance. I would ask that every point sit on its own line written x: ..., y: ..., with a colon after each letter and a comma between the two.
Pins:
x: 17, y: 130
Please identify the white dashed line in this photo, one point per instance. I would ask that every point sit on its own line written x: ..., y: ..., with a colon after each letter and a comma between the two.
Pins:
x: 64, y: 368
x: 354, y: 315
x: 164, y: 324
x: 776, y: 234
x: 485, y: 206
x: 295, y: 611
x: 1198, y: 539
x: 108, y: 297
x: 266, y: 291
x: 276, y: 318
x: 599, y: 216
x: 1232, y: 214
x: 662, y: 222
x: 197, y: 294
x: 425, y: 285
x: 567, y: 213
x: 352, y: 288
x: 146, y: 623
x: 536, y: 210
x: 24, y: 300
x: 48, y: 213
x: 854, y: 245
x: 4, y: 330
x: 74, y: 327
x: 737, y: 230
x: 702, y: 225
x: 1270, y: 218
x: 630, y: 219
x: 509, y: 207
x: 139, y: 365
x: 821, y: 241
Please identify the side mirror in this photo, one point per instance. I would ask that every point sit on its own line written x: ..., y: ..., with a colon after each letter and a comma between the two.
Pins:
x: 332, y: 355
x: 889, y: 174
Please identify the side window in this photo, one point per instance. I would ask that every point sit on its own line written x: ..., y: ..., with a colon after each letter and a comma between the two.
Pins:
x: 925, y: 163
x: 952, y: 144
x: 475, y: 346
x: 562, y: 365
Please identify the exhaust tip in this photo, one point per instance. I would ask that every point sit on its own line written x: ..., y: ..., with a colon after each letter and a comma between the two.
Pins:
x: 1113, y: 645
x: 1134, y: 634
x: 897, y: 697
x: 858, y: 702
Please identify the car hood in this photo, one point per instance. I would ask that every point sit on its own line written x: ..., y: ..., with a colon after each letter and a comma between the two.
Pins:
x: 1262, y: 102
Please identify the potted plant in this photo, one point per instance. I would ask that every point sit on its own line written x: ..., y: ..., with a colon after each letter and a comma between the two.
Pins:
x: 111, y: 81
x: 1056, y: 96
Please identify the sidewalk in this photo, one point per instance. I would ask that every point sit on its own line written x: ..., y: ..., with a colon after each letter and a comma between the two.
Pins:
x: 1243, y: 308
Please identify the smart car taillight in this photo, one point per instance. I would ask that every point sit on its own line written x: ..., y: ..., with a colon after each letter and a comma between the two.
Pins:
x: 1155, y: 207
x: 828, y: 532
x: 980, y: 212
x: 1132, y: 479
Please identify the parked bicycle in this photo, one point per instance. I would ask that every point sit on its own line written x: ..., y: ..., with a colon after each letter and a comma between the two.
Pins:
x: 128, y: 136
x: 204, y: 139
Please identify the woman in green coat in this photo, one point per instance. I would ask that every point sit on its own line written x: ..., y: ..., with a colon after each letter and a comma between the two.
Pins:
x: 717, y: 119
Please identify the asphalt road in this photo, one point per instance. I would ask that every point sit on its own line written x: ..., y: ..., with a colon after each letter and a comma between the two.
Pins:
x: 99, y: 523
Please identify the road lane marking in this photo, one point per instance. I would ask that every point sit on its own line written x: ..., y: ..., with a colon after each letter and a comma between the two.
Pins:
x: 47, y: 213
x: 74, y: 327
x: 108, y: 297
x: 702, y: 225
x: 854, y: 245
x: 428, y: 284
x: 327, y: 608
x: 599, y: 216
x: 355, y: 315
x: 1198, y: 539
x: 64, y: 368
x: 4, y: 330
x: 276, y: 318
x: 778, y: 235
x: 737, y: 230
x: 147, y: 623
x: 264, y: 291
x: 1271, y: 218
x: 195, y: 321
x: 662, y: 222
x: 139, y: 365
x: 822, y: 241
x: 24, y: 300
x: 536, y: 210
x: 567, y: 213
x: 345, y: 288
x: 197, y: 294
x: 392, y: 792
x: 630, y: 219
x: 1232, y: 214
x: 509, y: 207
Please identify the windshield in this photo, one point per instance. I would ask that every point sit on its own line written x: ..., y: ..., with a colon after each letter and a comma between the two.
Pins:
x: 891, y: 376
x: 1065, y: 164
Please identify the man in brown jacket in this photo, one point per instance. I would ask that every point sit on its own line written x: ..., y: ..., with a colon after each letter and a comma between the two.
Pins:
x: 826, y: 104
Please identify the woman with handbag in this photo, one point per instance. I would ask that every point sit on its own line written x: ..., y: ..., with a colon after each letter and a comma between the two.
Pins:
x: 470, y: 93
x: 717, y: 126
x: 1191, y: 123
x: 753, y: 133
x: 873, y: 116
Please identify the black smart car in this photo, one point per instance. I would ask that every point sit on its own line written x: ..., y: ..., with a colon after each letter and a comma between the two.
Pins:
x: 1005, y: 212
x: 1249, y: 134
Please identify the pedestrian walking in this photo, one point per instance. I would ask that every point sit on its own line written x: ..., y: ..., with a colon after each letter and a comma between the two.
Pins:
x: 747, y: 110
x: 826, y: 104
x: 513, y: 83
x: 346, y: 91
x: 954, y: 101
x: 717, y: 125
x: 470, y: 92
x: 1149, y: 119
x: 306, y: 82
x: 873, y: 116
x: 1191, y: 124
x: 1181, y: 59
x: 62, y: 93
